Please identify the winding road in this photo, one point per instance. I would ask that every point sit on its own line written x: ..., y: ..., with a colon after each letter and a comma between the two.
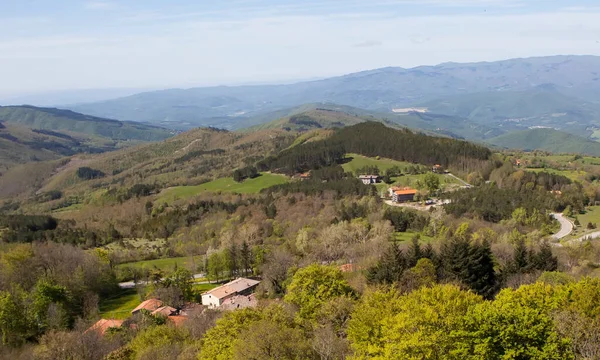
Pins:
x: 131, y: 284
x: 566, y: 227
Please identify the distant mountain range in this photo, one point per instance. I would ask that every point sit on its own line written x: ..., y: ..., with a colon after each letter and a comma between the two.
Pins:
x: 500, y: 96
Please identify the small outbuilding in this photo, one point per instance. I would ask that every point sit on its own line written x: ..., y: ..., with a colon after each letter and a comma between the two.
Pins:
x: 370, y: 179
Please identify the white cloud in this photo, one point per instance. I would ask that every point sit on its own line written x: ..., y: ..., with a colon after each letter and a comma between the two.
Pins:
x: 188, y: 51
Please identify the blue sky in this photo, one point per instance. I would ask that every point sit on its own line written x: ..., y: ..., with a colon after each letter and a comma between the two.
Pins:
x: 74, y: 44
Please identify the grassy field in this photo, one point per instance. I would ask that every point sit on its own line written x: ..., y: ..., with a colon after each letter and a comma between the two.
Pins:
x: 591, y: 215
x: 250, y: 186
x: 204, y: 287
x: 408, y: 236
x: 120, y: 305
x: 359, y: 161
x: 416, y: 181
x: 165, y: 264
x: 571, y: 174
x: 140, y: 244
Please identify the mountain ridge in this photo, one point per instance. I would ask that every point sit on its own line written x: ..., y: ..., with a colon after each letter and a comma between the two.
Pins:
x: 378, y: 89
x: 548, y: 140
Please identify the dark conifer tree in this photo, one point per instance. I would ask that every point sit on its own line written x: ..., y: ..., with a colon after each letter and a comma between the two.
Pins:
x: 544, y: 260
x: 233, y: 257
x: 482, y: 277
x: 245, y: 257
x: 390, y: 267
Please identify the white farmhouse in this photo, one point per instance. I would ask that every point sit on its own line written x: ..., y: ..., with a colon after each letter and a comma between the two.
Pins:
x: 217, y: 296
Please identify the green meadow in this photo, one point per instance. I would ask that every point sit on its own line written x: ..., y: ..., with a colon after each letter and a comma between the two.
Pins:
x: 249, y: 186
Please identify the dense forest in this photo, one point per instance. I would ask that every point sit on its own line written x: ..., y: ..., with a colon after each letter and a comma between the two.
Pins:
x: 375, y: 139
x: 469, y: 270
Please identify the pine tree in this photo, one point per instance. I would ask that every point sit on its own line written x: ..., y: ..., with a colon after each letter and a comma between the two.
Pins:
x: 232, y: 257
x: 521, y: 262
x: 471, y: 264
x: 245, y: 257
x: 390, y: 267
x: 482, y: 277
x: 544, y: 260
x: 414, y: 252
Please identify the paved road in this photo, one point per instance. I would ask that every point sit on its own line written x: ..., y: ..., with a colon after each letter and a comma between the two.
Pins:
x: 459, y: 179
x: 131, y: 284
x: 590, y: 236
x: 566, y: 227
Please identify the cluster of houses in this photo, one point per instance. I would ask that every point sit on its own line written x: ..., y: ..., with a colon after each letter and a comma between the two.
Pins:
x: 236, y: 294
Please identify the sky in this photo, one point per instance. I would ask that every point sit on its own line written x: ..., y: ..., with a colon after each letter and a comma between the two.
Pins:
x: 51, y: 45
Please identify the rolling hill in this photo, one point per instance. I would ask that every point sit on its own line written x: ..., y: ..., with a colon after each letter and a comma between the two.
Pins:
x: 68, y: 121
x: 327, y: 115
x: 547, y: 139
x: 31, y: 134
x: 381, y: 90
x: 519, y: 110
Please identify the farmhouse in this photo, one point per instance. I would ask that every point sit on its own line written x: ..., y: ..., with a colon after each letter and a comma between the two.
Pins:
x: 437, y: 168
x: 219, y: 295
x: 404, y: 195
x: 369, y: 179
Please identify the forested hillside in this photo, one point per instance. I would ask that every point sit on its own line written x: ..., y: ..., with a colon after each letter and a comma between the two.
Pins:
x: 551, y: 140
x: 71, y: 122
x: 460, y: 271
x: 374, y: 139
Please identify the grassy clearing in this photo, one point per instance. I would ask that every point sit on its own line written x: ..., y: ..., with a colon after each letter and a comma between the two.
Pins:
x: 359, y: 161
x: 409, y: 235
x: 574, y: 175
x: 139, y: 244
x: 204, y: 287
x: 592, y: 215
x: 165, y: 264
x: 120, y: 305
x: 250, y: 186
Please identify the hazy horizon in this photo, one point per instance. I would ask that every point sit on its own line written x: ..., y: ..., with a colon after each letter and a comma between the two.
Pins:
x: 75, y: 44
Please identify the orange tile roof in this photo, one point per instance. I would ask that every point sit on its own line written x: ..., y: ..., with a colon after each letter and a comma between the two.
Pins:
x: 150, y: 305
x: 104, y: 324
x: 406, y: 192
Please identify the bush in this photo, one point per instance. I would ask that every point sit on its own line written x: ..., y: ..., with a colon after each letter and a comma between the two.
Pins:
x: 87, y: 173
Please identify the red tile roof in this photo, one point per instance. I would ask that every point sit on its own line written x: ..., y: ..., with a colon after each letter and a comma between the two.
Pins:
x: 150, y: 305
x: 104, y: 324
